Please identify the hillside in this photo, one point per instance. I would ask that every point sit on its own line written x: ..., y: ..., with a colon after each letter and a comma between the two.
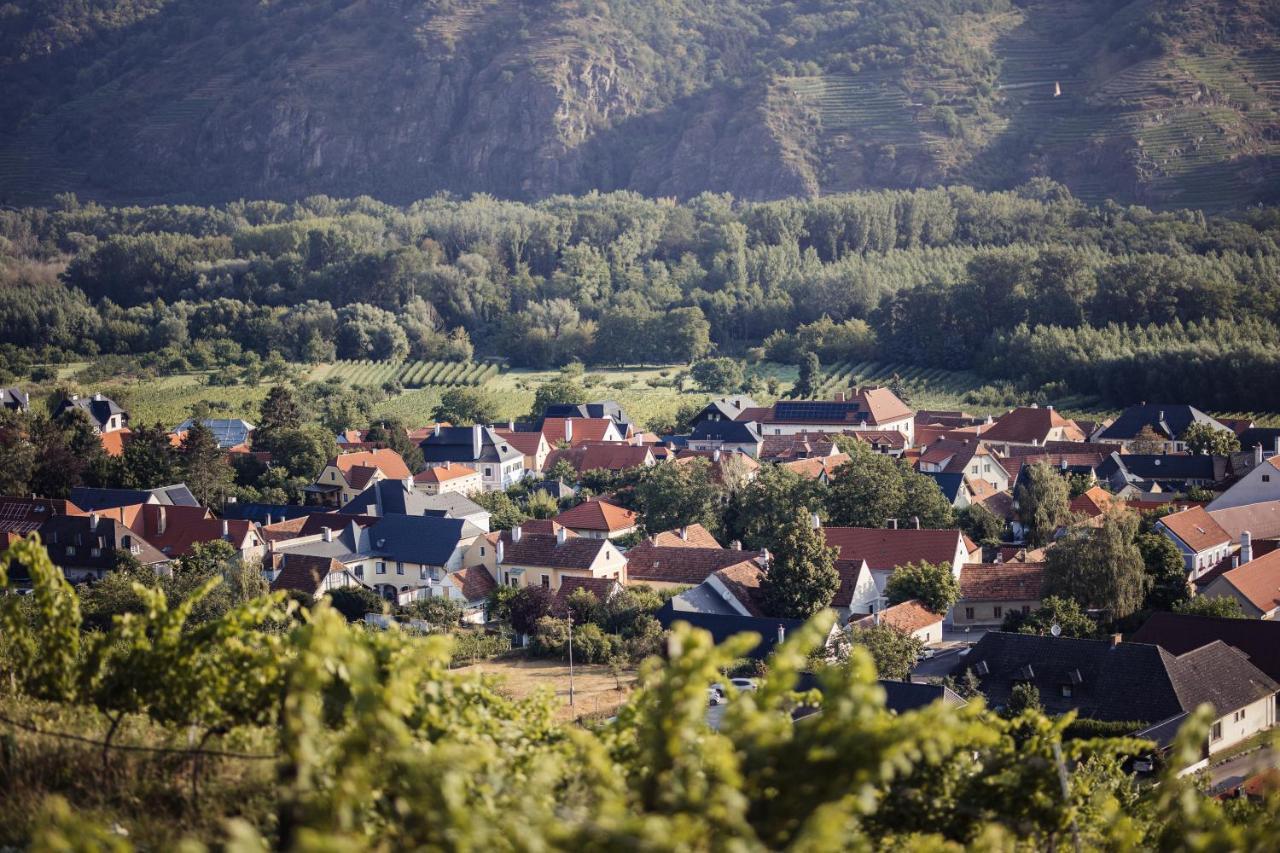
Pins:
x: 1161, y: 102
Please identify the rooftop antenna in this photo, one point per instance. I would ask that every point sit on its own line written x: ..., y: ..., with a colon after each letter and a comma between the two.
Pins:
x: 1055, y: 629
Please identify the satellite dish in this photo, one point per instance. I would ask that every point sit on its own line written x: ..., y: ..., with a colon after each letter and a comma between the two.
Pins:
x: 1055, y: 629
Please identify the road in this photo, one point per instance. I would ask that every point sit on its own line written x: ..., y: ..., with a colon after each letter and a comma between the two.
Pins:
x: 1231, y: 773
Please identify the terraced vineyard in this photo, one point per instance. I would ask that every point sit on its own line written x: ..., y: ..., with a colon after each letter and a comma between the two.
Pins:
x: 410, y: 374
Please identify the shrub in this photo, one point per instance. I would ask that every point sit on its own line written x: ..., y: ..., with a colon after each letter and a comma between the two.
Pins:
x: 355, y: 601
x: 437, y: 610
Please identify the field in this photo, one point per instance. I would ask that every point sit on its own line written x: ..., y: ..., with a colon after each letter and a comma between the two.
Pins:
x: 595, y: 688
x: 410, y: 374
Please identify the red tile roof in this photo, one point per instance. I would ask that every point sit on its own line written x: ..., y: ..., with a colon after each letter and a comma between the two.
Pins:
x: 113, y: 442
x: 583, y: 430
x: 1258, y: 581
x: 303, y: 572
x: 598, y: 515
x: 743, y: 582
x: 887, y: 549
x: 680, y: 565
x: 601, y: 588
x: 606, y: 457
x: 476, y: 582
x: 1093, y: 502
x: 1196, y: 528
x: 444, y: 473
x: 909, y: 616
x: 528, y: 443
x: 693, y: 536
x: 536, y: 549
x: 383, y: 459
x: 23, y: 515
x: 185, y: 526
x: 814, y: 469
x: 1001, y: 581
x: 1260, y: 519
x: 1028, y: 424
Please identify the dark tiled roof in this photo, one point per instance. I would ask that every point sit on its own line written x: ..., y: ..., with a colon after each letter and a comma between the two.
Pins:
x: 538, y: 549
x: 1264, y: 436
x: 419, y: 539
x: 1163, y: 466
x: 76, y: 531
x: 1177, y: 633
x: 258, y: 513
x: 23, y: 515
x: 949, y: 483
x: 602, y: 409
x: 456, y: 444
x: 88, y: 498
x: 735, y: 432
x: 884, y: 548
x: 680, y: 565
x: 743, y: 583
x: 722, y: 627
x: 1168, y: 419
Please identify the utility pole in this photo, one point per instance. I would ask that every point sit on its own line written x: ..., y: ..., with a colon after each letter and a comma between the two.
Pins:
x: 571, y: 705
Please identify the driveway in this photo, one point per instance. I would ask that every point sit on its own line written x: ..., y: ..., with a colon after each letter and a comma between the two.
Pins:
x: 1234, y: 772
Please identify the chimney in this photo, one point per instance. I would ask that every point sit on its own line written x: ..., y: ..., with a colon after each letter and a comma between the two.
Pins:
x: 515, y: 533
x: 326, y: 533
x: 765, y: 557
x: 735, y: 545
x: 1116, y: 639
x: 97, y: 397
x: 1246, y: 547
x: 893, y: 524
x: 226, y: 529
x: 511, y: 425
x: 436, y: 430
x: 1257, y: 453
x: 477, y: 434
x: 782, y: 632
x: 1277, y: 447
x: 561, y: 535
x: 839, y: 396
x: 1235, y: 562
x: 916, y: 520
x: 568, y: 430
x: 93, y: 521
x: 500, y: 553
x: 684, y: 533
x: 268, y: 524
x: 815, y: 521
x: 162, y: 523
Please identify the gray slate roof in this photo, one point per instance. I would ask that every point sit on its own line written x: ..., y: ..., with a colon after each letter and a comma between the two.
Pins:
x: 88, y: 498
x: 228, y: 431
x: 390, y: 497
x: 1168, y: 419
x: 458, y: 444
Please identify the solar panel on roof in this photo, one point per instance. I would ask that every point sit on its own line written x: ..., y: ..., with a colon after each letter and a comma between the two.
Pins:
x: 814, y: 410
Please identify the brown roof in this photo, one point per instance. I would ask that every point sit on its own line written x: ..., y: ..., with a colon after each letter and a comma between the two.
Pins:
x: 813, y: 469
x: 880, y: 405
x: 1196, y: 528
x: 538, y: 549
x: 693, y: 536
x: 584, y: 430
x: 303, y: 572
x: 383, y: 459
x: 1027, y: 424
x: 598, y: 515
x: 1000, y: 504
x: 1021, y: 554
x: 444, y: 473
x: 601, y: 588
x: 185, y: 526
x: 1093, y: 502
x: 476, y: 582
x: 311, y: 525
x: 743, y: 581
x: 1262, y: 520
x: 1258, y: 581
x: 23, y: 515
x: 649, y: 562
x: 887, y: 549
x: 909, y: 616
x: 802, y: 445
x: 527, y: 443
x: 607, y: 457
x: 1001, y: 581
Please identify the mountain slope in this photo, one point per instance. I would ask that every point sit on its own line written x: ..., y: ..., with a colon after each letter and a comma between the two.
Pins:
x: 1162, y: 102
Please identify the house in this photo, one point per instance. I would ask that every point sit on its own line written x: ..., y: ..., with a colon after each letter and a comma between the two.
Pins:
x: 1178, y: 633
x: 602, y: 588
x: 820, y: 469
x: 691, y: 536
x: 991, y: 591
x: 395, y: 555
x: 1031, y: 425
x: 348, y: 474
x: 1266, y: 439
x: 864, y: 409
x: 800, y: 445
x: 15, y: 400
x: 1110, y: 680
x: 264, y: 514
x: 1259, y: 485
x: 470, y: 587
x: 312, y: 575
x: 722, y: 626
x: 446, y: 478
x: 88, y: 498
x: 558, y: 489
x: 1167, y: 471
x: 517, y: 558
x: 174, y: 530
x: 20, y: 516
x: 229, y: 432
x: 103, y: 413
x: 1261, y: 521
x: 955, y: 487
x: 672, y: 566
x: 602, y: 409
x: 968, y: 457
x: 728, y: 408
x: 1093, y: 502
x: 570, y: 432
x: 85, y: 546
x: 603, y: 457
x: 731, y: 591
x: 398, y: 497
x: 533, y: 445
x: 910, y: 617
x: 727, y: 469
x: 1200, y: 539
x: 1255, y: 584
x: 302, y: 526
x: 726, y: 437
x: 1168, y: 420
x: 599, y: 519
x: 500, y: 464
x: 883, y: 550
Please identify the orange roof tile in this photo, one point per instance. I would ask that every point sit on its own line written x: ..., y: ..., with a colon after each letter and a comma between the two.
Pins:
x: 693, y: 536
x: 1258, y: 581
x: 583, y: 429
x: 383, y: 459
x: 1028, y: 424
x: 1001, y: 581
x: 444, y: 473
x: 909, y: 616
x: 113, y: 442
x: 598, y: 515
x: 1196, y: 528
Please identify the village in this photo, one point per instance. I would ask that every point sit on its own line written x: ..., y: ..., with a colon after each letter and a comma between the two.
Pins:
x: 1000, y: 590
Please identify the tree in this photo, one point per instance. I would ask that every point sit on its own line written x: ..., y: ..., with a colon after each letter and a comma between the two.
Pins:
x: 806, y: 386
x: 437, y: 611
x: 278, y: 411
x: 1147, y: 442
x: 1043, y: 503
x: 58, y: 468
x: 463, y: 406
x: 1071, y: 620
x: 1204, y: 440
x: 717, y: 375
x: 529, y: 605
x: 932, y: 583
x: 1166, y: 572
x: 563, y: 389
x: 354, y: 602
x: 541, y: 504
x: 866, y: 491
x: 924, y: 502
x: 801, y: 577
x: 757, y: 510
x: 981, y: 524
x: 149, y: 459
x: 301, y: 451
x: 1023, y: 698
x: 671, y: 496
x: 1100, y: 567
x: 894, y: 652
x: 204, y: 466
x: 1219, y: 605
x: 391, y: 433
x: 504, y: 511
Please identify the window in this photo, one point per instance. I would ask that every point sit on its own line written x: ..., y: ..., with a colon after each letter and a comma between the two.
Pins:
x: 382, y: 568
x: 968, y: 613
x: 359, y: 570
x: 488, y: 472
x: 1216, y: 732
x: 71, y: 550
x: 546, y: 581
x: 422, y: 573
x: 997, y: 611
x: 1266, y: 478
x: 481, y: 550
x: 399, y: 567
x: 1066, y: 691
x: 95, y: 552
x: 333, y: 475
x: 1026, y: 608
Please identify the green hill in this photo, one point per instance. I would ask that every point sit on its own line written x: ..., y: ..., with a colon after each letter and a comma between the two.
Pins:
x: 1162, y: 102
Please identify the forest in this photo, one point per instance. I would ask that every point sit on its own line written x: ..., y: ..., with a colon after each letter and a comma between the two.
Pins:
x: 1029, y: 286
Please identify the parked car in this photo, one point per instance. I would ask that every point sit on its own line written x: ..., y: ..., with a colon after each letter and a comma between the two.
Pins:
x: 714, y: 696
x: 926, y: 653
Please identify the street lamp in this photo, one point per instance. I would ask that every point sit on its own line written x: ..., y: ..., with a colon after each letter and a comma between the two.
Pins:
x: 571, y: 706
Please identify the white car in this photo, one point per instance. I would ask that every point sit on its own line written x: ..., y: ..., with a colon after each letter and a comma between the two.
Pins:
x: 927, y: 653
x: 714, y: 696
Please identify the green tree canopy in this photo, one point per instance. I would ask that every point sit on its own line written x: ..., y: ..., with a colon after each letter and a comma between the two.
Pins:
x: 801, y: 577
x: 932, y: 583
x: 1043, y: 502
x: 1100, y: 566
